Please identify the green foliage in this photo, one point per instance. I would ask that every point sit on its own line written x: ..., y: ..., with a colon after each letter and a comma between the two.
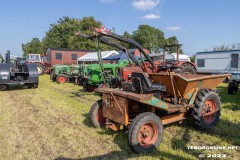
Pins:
x: 127, y: 45
x: 62, y: 34
x: 149, y: 37
x: 222, y: 47
x: 34, y: 47
x: 193, y: 58
x: 172, y: 41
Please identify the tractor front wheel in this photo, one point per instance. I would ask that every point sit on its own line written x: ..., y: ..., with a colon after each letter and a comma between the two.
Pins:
x: 232, y: 87
x: 61, y: 79
x: 145, y: 133
x: 206, y: 110
x: 96, y: 115
x: 87, y: 87
x: 40, y: 68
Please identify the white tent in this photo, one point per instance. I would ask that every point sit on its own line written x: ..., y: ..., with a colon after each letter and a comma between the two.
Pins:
x: 92, y: 56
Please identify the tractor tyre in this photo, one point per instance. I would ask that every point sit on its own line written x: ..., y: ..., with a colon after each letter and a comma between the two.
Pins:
x: 145, y: 133
x: 32, y: 85
x: 206, y: 110
x: 96, y: 115
x: 40, y: 68
x: 76, y: 81
x: 61, y: 79
x: 185, y: 68
x: 232, y: 87
x: 87, y: 87
x: 52, y: 77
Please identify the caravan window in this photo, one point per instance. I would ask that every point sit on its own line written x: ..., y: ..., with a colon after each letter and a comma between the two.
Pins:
x: 74, y: 57
x: 234, y: 60
x: 58, y: 56
x: 201, y: 63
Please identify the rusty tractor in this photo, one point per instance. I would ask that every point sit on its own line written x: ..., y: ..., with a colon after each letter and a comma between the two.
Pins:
x: 155, y: 100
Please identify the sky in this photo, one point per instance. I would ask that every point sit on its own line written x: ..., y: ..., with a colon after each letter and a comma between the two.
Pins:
x: 198, y: 24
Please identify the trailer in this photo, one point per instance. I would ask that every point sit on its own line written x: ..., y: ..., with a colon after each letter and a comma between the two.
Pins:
x: 63, y: 56
x: 218, y: 62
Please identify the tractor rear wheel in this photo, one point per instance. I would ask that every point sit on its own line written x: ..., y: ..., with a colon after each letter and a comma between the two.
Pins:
x: 96, y: 115
x: 232, y: 87
x: 206, y: 110
x: 145, y: 133
x: 185, y: 68
x: 61, y: 79
x: 40, y: 68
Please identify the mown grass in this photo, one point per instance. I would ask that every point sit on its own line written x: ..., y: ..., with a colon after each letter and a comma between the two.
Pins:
x: 51, y: 122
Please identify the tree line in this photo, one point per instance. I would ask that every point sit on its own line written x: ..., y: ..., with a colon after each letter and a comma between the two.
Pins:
x: 62, y: 35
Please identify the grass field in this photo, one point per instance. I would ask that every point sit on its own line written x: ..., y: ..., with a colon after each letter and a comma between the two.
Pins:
x: 51, y: 122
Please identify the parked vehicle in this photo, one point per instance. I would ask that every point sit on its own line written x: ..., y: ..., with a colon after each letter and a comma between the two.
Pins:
x: 158, y: 99
x: 18, y: 72
x: 151, y: 66
x: 108, y: 79
x: 95, y: 77
x: 64, y: 73
x: 39, y: 60
x: 218, y: 62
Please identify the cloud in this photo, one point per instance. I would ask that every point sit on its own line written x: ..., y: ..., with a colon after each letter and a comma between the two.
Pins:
x: 173, y: 28
x: 107, y: 1
x: 151, y: 16
x: 145, y: 4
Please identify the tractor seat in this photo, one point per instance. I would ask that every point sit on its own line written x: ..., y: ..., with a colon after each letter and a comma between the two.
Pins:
x: 142, y: 84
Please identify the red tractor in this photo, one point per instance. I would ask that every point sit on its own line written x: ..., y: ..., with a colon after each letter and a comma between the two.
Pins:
x: 39, y: 60
x: 147, y: 63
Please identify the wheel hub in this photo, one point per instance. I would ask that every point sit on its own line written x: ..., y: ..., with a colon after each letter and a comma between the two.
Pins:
x: 147, y: 134
x: 209, y: 110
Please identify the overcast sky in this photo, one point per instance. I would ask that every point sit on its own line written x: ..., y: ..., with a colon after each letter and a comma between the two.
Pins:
x: 198, y: 24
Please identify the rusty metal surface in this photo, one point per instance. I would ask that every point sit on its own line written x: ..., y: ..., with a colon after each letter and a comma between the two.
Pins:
x: 184, y: 83
x: 115, y: 108
x: 147, y: 99
x: 130, y: 95
x: 173, y: 118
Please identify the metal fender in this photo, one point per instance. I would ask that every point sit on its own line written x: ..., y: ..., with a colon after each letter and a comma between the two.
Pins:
x: 4, y: 73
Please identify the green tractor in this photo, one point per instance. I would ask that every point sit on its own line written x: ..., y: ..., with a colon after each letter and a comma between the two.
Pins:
x: 95, y: 75
x: 64, y: 73
x: 106, y: 75
x: 82, y: 74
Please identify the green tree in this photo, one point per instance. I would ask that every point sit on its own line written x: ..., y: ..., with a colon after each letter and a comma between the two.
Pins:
x: 62, y: 33
x: 193, y: 58
x: 149, y: 37
x: 172, y: 41
x: 34, y: 46
x: 222, y: 47
x: 127, y: 45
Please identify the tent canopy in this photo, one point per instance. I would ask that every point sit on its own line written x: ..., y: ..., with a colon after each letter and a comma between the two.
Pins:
x: 93, y: 56
x: 119, y: 56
